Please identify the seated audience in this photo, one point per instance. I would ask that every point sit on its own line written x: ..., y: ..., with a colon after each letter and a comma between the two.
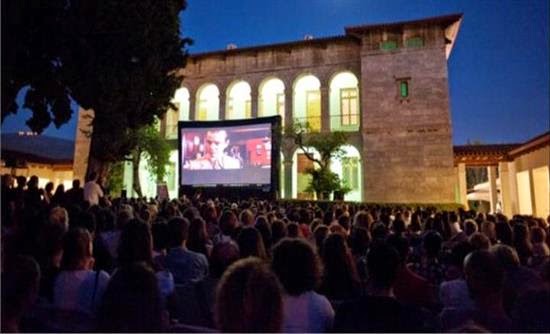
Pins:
x: 298, y: 269
x: 78, y: 287
x: 430, y: 266
x: 249, y: 298
x: 340, y: 280
x: 379, y: 311
x: 132, y: 302
x: 20, y: 281
x: 186, y: 266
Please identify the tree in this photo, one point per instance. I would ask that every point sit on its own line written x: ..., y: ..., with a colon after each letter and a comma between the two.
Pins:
x: 329, y: 146
x: 152, y: 147
x: 120, y: 58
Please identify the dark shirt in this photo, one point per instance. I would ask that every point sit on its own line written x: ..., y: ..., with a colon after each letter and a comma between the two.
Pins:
x: 382, y: 314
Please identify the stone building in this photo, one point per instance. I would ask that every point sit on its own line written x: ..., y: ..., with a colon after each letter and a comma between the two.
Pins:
x: 385, y: 84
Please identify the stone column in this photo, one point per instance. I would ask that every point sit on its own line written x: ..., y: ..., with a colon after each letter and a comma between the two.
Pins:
x: 512, y: 178
x: 221, y: 107
x: 493, y: 195
x: 325, y: 106
x: 192, y: 106
x: 288, y: 178
x: 289, y: 101
x: 254, y: 102
x: 532, y: 190
x: 505, y: 189
x: 462, y: 185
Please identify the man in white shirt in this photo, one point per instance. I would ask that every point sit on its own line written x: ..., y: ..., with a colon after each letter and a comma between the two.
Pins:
x: 92, y: 190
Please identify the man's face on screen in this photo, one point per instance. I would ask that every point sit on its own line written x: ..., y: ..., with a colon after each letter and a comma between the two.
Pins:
x: 216, y: 141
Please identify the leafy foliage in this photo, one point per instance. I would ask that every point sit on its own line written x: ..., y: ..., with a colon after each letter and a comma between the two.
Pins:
x: 329, y: 146
x: 151, y: 146
x: 120, y: 58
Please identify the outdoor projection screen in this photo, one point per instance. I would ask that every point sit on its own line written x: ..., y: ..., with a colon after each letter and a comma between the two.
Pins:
x: 227, y: 153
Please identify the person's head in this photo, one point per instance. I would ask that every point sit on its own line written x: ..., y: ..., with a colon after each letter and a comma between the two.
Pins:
x: 538, y: 235
x: 470, y: 227
x: 20, y: 283
x: 50, y: 244
x: 59, y: 216
x: 484, y: 276
x: 479, y: 241
x: 21, y: 181
x: 293, y: 230
x: 228, y: 222
x: 247, y: 218
x: 76, y: 183
x: 264, y: 228
x: 249, y: 298
x: 278, y: 230
x: 216, y: 143
x: 179, y: 230
x: 77, y: 250
x: 344, y: 221
x: 504, y: 233
x: 359, y: 241
x: 161, y: 235
x: 49, y: 187
x: 132, y: 302
x: 432, y: 243
x: 398, y: 226
x: 455, y: 261
x: 506, y: 256
x: 320, y: 234
x: 362, y: 219
x: 382, y: 264
x: 92, y: 176
x: 33, y: 182
x: 197, y: 235
x: 135, y: 244
x: 251, y: 243
x: 401, y: 245
x: 223, y: 255
x: 488, y: 228
x: 335, y: 253
x: 297, y: 266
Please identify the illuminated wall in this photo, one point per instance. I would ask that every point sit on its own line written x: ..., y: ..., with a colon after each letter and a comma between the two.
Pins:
x: 541, y: 183
x: 524, y: 193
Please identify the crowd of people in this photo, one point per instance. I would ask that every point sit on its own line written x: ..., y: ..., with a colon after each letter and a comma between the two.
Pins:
x: 76, y: 260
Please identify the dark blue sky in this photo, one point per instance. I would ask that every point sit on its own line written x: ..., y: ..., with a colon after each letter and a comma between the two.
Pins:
x: 498, y: 70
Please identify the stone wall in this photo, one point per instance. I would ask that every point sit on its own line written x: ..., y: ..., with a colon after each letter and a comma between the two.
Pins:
x: 407, y: 142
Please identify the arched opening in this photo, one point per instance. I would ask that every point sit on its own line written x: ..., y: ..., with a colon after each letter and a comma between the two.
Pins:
x: 271, y: 98
x: 307, y: 101
x: 301, y: 179
x: 349, y: 170
x: 180, y: 113
x: 344, y: 102
x: 208, y: 103
x: 238, y: 104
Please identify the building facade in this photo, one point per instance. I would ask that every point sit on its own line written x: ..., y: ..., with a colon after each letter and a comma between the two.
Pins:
x: 385, y: 84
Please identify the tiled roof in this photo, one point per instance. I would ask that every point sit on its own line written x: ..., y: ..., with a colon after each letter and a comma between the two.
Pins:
x: 37, y: 148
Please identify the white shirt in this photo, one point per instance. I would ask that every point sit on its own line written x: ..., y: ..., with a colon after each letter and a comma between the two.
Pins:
x: 74, y: 290
x: 309, y: 312
x: 92, y: 192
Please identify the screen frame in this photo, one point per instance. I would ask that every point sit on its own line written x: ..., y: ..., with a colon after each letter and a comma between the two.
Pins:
x: 274, y: 121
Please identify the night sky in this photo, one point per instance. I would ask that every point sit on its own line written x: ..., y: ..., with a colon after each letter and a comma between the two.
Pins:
x: 498, y: 70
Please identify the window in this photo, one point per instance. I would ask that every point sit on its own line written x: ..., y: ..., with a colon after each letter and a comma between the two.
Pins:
x: 388, y: 45
x: 414, y: 42
x: 350, y: 169
x: 403, y: 88
x: 348, y: 106
x: 313, y: 109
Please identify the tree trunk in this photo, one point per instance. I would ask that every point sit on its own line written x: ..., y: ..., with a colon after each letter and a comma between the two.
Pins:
x: 136, y: 185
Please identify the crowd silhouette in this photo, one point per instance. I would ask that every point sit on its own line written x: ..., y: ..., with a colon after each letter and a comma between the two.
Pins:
x: 76, y: 260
